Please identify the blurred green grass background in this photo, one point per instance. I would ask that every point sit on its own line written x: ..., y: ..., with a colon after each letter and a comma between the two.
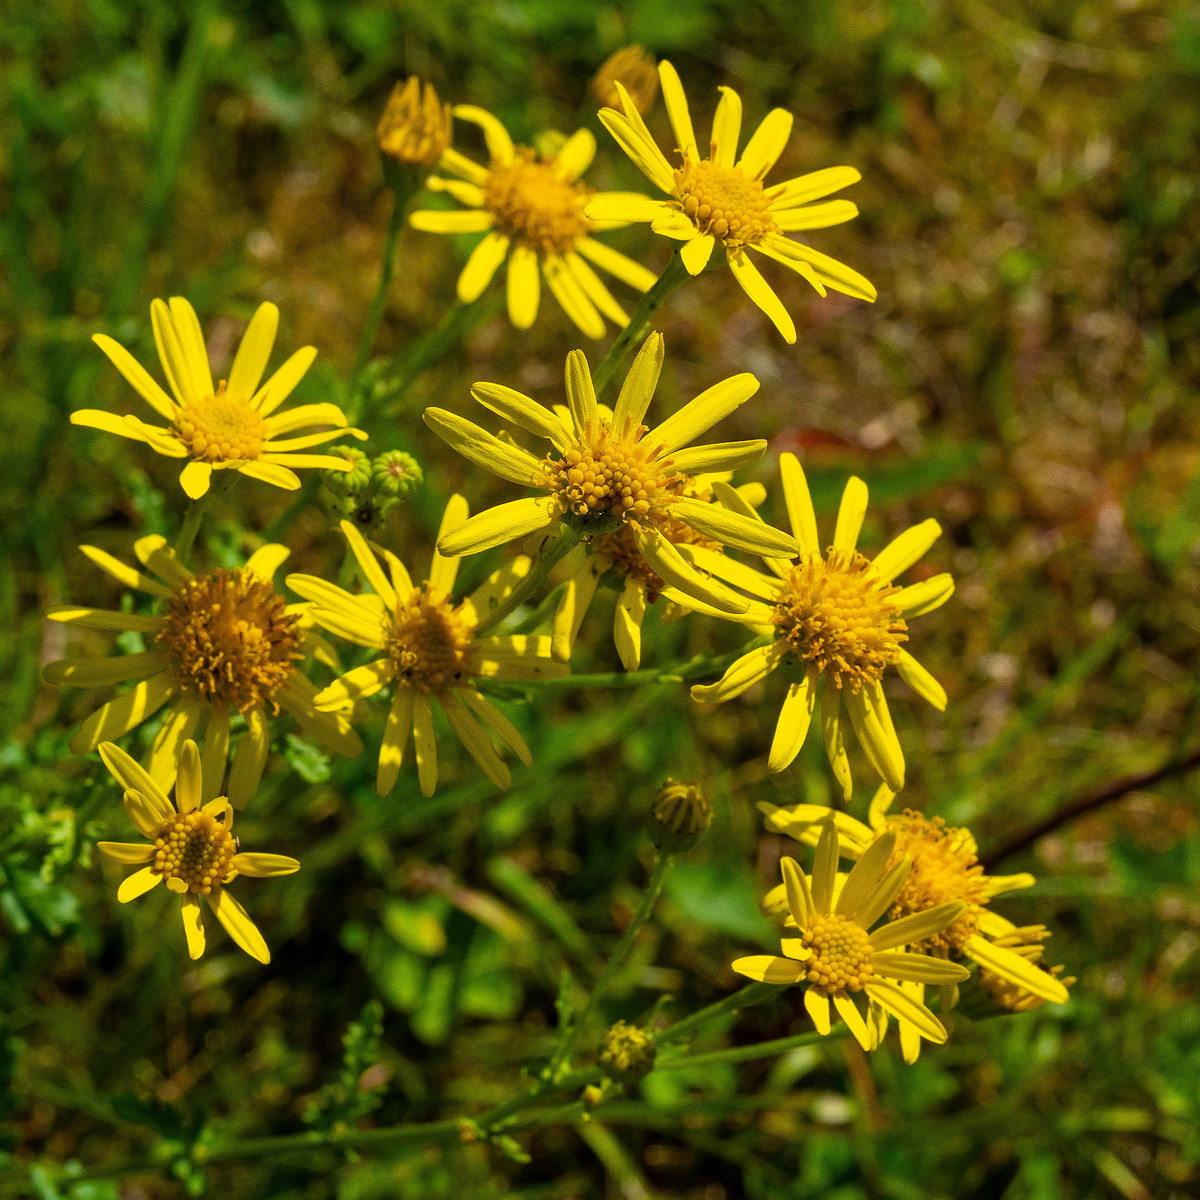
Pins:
x: 1028, y: 376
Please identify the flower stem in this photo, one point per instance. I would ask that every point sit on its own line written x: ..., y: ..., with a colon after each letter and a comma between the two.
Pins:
x: 191, y: 526
x: 532, y: 584
x: 562, y: 1052
x: 669, y: 281
x: 404, y: 187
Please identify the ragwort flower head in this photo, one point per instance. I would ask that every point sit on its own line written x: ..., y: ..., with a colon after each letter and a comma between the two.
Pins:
x: 717, y: 199
x: 633, y: 67
x: 945, y: 870
x: 192, y: 848
x: 530, y: 207
x: 836, y: 617
x: 226, y: 643
x: 603, y: 474
x: 836, y: 953
x: 614, y: 559
x: 430, y: 653
x: 230, y: 426
x: 415, y: 127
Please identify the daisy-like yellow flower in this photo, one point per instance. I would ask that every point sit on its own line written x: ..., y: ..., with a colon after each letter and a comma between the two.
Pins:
x: 945, y: 869
x: 614, y: 560
x: 530, y: 206
x: 836, y: 953
x: 226, y: 643
x: 837, y: 618
x: 602, y: 475
x: 231, y: 426
x: 431, y: 652
x: 192, y: 848
x: 721, y: 198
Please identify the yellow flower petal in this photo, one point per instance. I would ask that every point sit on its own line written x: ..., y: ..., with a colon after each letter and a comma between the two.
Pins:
x: 570, y: 294
x: 744, y: 673
x: 640, y: 383
x: 484, y: 449
x: 369, y: 565
x: 281, y: 385
x: 495, y: 590
x: 921, y: 681
x: 503, y: 523
x: 918, y: 968
x: 572, y: 608
x: 813, y: 186
x: 499, y: 143
x: 495, y: 720
x: 444, y: 568
x: 475, y: 739
x: 824, y: 871
x: 131, y: 776
x: 355, y: 685
x: 138, y: 884
x: 818, y: 1010
x: 835, y: 746
x: 851, y: 512
x: 94, y: 418
x: 727, y: 127
x: 426, y: 746
x: 920, y: 598
x: 696, y: 252
x: 191, y: 341
x: 264, y: 866
x: 194, y: 479
x: 906, y: 1010
x: 671, y: 223
x: 119, y: 716
x: 766, y: 145
x: 917, y: 927
x: 137, y: 375
x: 188, y: 782
x: 238, y: 924
x: 517, y: 657
x: 815, y: 216
x: 170, y: 353
x: 128, y: 853
x: 761, y: 292
x: 885, y: 893
x: 864, y: 877
x: 732, y: 529
x: 484, y: 262
x: 732, y: 571
x: 395, y: 740
x: 797, y: 892
x: 616, y: 264
x: 266, y: 560
x: 249, y: 759
x: 524, y: 286
x: 594, y: 289
x: 666, y: 561
x: 718, y: 456
x: 193, y: 927
x: 253, y: 353
x: 122, y: 573
x: 104, y: 672
x: 792, y: 727
x: 520, y: 410
x: 628, y: 615
x: 903, y: 551
x: 849, y: 1013
x: 801, y: 515
x: 581, y: 394
x: 820, y: 270
x: 625, y: 207
x: 767, y: 968
x: 878, y: 742
x: 1012, y: 967
x: 677, y: 111
x: 216, y: 752
x: 701, y: 414
x: 576, y: 155
x: 475, y: 220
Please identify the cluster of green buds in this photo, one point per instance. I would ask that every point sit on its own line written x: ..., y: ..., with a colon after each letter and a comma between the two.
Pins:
x: 371, y: 488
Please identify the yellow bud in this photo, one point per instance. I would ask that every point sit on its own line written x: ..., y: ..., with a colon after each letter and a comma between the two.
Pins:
x: 628, y: 1053
x: 415, y: 127
x: 636, y: 70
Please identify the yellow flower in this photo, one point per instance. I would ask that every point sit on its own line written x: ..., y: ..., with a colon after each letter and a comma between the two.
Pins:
x: 838, y: 956
x: 1025, y: 941
x: 192, y: 848
x: 835, y: 617
x: 226, y: 643
x: 945, y: 869
x: 530, y: 206
x: 716, y: 199
x: 604, y: 474
x: 431, y: 653
x: 614, y: 559
x: 415, y: 126
x: 633, y: 67
x: 229, y: 427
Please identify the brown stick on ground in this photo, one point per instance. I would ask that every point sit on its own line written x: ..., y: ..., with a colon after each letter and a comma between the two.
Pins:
x: 1085, y: 804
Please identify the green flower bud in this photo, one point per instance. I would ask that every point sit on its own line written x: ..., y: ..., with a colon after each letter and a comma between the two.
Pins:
x: 397, y: 474
x: 628, y: 1053
x: 679, y: 817
x: 354, y: 480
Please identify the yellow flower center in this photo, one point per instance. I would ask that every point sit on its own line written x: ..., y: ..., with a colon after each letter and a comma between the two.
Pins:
x: 841, y: 954
x: 725, y: 202
x: 219, y: 428
x: 230, y: 639
x: 836, y: 615
x: 945, y: 868
x: 196, y: 849
x: 531, y: 205
x: 430, y: 643
x: 604, y: 473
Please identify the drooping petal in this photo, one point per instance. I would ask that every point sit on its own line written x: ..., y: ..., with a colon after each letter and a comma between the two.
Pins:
x: 906, y: 1010
x: 95, y: 418
x: 746, y: 671
x: 792, y: 727
x: 104, y: 672
x: 523, y: 286
x: 193, y: 927
x: 819, y: 269
x: 594, y: 289
x: 497, y: 722
x: 249, y: 759
x: 483, y: 264
x: 570, y: 294
x: 695, y: 253
x: 195, y: 479
x: 835, y: 745
x: 119, y: 716
x: 426, y: 746
x: 1009, y: 965
x: 733, y: 529
x: 921, y: 681
x: 238, y: 924
x: 818, y: 1009
x: 628, y: 614
x: 618, y: 265
x: 396, y: 733
x: 475, y: 739
x: 761, y: 292
x: 138, y: 884
x: 849, y: 1013
x: 875, y: 734
x: 572, y: 608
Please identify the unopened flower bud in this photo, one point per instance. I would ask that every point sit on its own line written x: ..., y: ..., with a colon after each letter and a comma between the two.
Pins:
x: 636, y: 70
x: 628, y: 1053
x: 679, y: 816
x: 415, y: 127
x: 396, y: 474
x: 354, y: 480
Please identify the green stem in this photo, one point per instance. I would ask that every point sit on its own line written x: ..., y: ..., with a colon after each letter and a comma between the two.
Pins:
x: 562, y: 1052
x: 532, y: 584
x: 191, y: 526
x: 747, y: 997
x: 669, y: 281
x: 404, y: 187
